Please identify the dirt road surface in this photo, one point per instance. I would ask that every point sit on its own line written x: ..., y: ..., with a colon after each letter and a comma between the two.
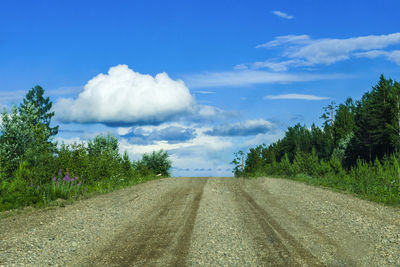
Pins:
x: 207, y: 222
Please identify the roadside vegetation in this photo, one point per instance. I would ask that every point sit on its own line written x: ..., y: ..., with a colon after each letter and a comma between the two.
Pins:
x: 357, y: 149
x: 35, y: 170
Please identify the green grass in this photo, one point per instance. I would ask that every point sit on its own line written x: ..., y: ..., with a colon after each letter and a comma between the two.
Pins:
x: 17, y: 194
x: 338, y: 184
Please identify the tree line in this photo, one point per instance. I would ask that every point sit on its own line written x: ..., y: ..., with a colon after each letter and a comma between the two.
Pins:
x: 356, y: 149
x: 35, y: 170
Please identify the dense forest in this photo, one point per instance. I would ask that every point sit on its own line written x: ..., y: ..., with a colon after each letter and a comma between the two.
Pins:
x: 357, y: 149
x: 36, y: 170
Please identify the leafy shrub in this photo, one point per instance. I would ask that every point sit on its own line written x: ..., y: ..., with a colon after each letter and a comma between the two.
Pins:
x: 156, y: 162
x: 73, y: 159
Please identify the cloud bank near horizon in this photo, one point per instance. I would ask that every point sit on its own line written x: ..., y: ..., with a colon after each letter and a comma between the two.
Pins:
x: 247, y: 128
x: 171, y: 134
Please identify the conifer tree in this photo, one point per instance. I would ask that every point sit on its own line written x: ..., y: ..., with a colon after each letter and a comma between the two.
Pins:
x: 43, y: 105
x: 373, y: 116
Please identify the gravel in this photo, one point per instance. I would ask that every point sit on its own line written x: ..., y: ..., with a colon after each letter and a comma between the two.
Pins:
x: 206, y: 222
x: 64, y: 236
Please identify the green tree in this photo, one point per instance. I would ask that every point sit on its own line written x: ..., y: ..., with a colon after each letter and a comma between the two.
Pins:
x: 322, y: 142
x: 373, y: 114
x: 127, y: 167
x: 157, y: 162
x: 15, y: 138
x: 297, y: 139
x: 328, y: 114
x: 268, y: 154
x: 104, y: 154
x: 238, y: 162
x: 394, y: 125
x: 39, y: 155
x: 254, y: 161
x: 23, y: 138
x: 101, y: 144
x: 340, y: 150
x: 344, y: 121
x: 42, y: 105
x: 74, y: 159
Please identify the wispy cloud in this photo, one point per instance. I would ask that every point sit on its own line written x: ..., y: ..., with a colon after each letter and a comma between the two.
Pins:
x: 11, y: 96
x: 286, y: 39
x: 277, y: 66
x: 67, y: 90
x: 296, y: 96
x: 204, y: 92
x: 282, y: 14
x: 16, y: 96
x: 264, y: 138
x: 250, y: 77
x: 301, y: 50
x: 389, y: 55
x: 240, y: 67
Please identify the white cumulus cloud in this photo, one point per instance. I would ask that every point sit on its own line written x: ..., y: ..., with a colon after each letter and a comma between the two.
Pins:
x: 125, y: 97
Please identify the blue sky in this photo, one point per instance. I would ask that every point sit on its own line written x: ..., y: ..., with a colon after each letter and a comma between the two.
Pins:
x: 201, y: 79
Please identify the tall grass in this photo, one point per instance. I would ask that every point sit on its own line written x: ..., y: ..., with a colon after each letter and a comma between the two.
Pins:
x: 378, y: 181
x: 77, y: 174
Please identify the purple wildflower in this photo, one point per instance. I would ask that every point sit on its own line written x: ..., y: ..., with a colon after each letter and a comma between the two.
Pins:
x: 59, y: 172
x: 79, y: 184
x: 54, y: 179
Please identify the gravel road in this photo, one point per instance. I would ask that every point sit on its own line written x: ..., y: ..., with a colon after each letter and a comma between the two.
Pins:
x: 206, y: 222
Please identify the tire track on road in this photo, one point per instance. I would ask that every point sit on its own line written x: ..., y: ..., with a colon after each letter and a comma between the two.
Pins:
x: 184, y: 240
x: 285, y: 246
x: 162, y: 237
x: 341, y: 254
